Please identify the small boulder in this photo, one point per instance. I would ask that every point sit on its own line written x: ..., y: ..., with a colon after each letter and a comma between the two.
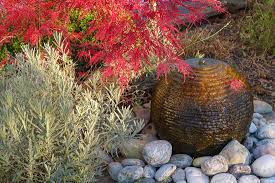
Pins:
x: 223, y: 178
x: 132, y: 162
x: 157, y: 153
x: 267, y: 131
x: 216, y: 164
x: 130, y: 174
x: 239, y: 170
x: 262, y: 107
x: 264, y: 166
x: 198, y: 161
x: 178, y: 175
x: 195, y: 175
x: 236, y: 153
x: 114, y: 168
x: 149, y: 171
x: 165, y: 171
x: 181, y: 160
x: 252, y: 128
x: 249, y: 179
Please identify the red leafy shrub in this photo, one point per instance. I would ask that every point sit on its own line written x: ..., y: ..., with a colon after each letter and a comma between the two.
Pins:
x: 122, y: 34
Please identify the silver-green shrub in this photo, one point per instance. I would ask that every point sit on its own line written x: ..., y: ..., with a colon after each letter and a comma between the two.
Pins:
x: 52, y: 130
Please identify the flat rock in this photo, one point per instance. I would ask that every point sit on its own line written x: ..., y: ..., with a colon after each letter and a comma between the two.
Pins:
x: 195, y: 175
x: 223, y: 178
x: 114, y: 168
x: 130, y: 174
x: 216, y: 164
x: 262, y: 107
x: 268, y: 180
x: 133, y: 148
x: 149, y: 171
x: 181, y: 160
x: 267, y: 131
x: 198, y: 161
x: 264, y: 166
x: 249, y: 179
x: 178, y: 175
x: 157, y: 153
x: 239, y: 170
x: 165, y: 171
x: 236, y: 153
x: 132, y: 162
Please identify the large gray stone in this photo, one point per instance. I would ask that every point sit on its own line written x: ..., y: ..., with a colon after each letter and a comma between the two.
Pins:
x: 249, y: 179
x: 223, y: 178
x: 165, y: 171
x: 195, y: 175
x: 114, y: 168
x: 216, y: 164
x: 264, y: 166
x: 157, y: 153
x: 262, y: 107
x: 236, y: 153
x: 181, y: 160
x: 130, y: 174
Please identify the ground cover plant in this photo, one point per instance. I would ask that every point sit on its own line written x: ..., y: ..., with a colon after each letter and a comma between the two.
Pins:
x: 122, y: 35
x: 53, y: 130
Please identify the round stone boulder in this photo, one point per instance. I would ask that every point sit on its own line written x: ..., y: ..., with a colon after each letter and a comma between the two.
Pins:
x: 236, y: 153
x: 165, y: 171
x: 195, y: 175
x: 157, y: 153
x: 130, y: 174
x: 264, y: 166
x: 223, y: 178
x: 181, y: 160
x: 114, y: 168
x: 239, y: 170
x: 249, y: 179
x: 198, y: 161
x: 178, y: 175
x: 216, y: 164
x: 149, y: 171
x: 267, y: 131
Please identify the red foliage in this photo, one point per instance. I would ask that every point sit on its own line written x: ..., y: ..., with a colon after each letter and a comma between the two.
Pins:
x: 128, y: 32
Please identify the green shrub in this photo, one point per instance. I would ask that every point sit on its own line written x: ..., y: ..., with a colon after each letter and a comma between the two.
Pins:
x: 52, y: 130
x: 259, y: 27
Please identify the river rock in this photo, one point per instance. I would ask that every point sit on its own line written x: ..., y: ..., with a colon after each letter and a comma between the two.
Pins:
x: 264, y: 147
x: 249, y: 179
x: 239, y: 170
x: 114, y: 168
x: 259, y: 122
x: 147, y: 180
x: 223, y: 178
x: 252, y: 128
x: 214, y: 165
x: 157, y: 153
x: 198, y: 161
x: 132, y: 162
x: 257, y: 115
x: 267, y: 131
x: 195, y: 175
x: 130, y: 174
x: 236, y: 153
x: 264, y: 166
x: 250, y: 143
x: 268, y: 180
x: 149, y: 171
x: 133, y: 148
x: 178, y: 175
x: 181, y: 160
x: 165, y: 171
x: 262, y: 107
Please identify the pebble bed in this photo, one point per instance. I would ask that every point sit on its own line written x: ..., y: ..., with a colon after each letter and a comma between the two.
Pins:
x: 253, y: 161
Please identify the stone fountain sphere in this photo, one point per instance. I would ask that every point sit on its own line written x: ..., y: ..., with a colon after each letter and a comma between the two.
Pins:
x: 201, y: 113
